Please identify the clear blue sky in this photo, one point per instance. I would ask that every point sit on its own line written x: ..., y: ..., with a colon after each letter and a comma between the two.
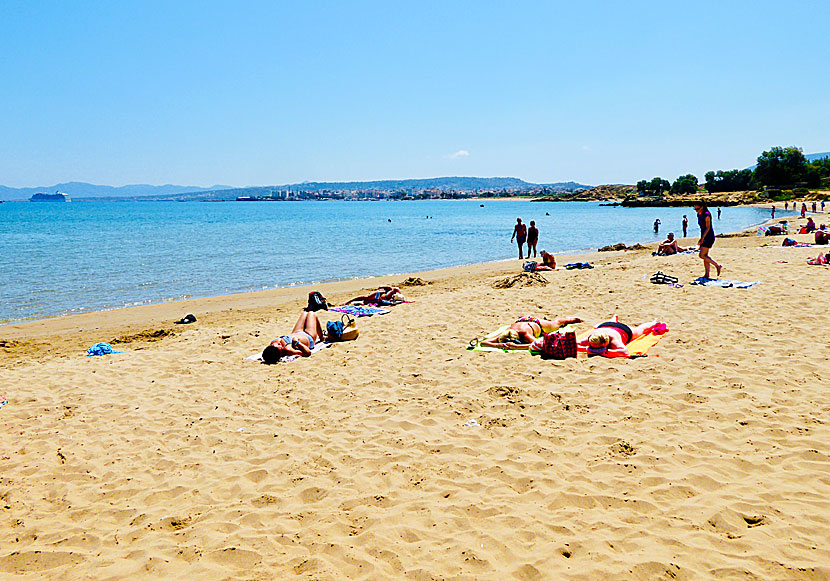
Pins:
x: 261, y: 93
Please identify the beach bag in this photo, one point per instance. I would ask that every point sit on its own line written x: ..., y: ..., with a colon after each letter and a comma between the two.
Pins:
x: 530, y: 266
x: 558, y: 345
x: 317, y: 302
x: 343, y: 330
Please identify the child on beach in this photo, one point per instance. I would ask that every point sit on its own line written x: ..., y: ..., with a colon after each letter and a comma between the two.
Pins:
x: 707, y: 238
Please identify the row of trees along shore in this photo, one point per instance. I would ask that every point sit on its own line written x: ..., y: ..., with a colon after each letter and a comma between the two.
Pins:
x: 778, y: 170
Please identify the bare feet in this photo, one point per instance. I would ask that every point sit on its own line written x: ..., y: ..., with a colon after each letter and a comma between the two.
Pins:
x: 719, y: 267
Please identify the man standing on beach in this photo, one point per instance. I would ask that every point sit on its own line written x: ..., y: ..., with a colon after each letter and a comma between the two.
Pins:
x: 520, y: 234
x: 685, y: 225
x: 773, y: 211
x: 532, y: 238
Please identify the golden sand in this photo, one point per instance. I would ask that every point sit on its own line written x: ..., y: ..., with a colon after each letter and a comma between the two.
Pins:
x: 176, y: 459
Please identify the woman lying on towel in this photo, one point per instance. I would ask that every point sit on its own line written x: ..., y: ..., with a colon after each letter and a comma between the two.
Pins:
x: 611, y: 337
x: 525, y: 331
x: 820, y: 260
x: 307, y: 331
x: 384, y: 295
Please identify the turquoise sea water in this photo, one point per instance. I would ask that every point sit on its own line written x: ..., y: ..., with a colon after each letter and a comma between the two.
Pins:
x: 66, y: 258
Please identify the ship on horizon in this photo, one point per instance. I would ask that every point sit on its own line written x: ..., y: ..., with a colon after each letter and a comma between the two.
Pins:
x: 56, y: 197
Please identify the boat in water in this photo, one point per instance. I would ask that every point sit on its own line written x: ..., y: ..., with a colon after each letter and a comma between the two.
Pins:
x: 56, y: 197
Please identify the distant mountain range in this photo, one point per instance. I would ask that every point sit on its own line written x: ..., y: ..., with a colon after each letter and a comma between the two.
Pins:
x: 84, y: 190
x: 815, y: 156
x: 79, y: 190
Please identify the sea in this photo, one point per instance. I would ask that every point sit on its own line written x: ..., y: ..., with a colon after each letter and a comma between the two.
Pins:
x: 63, y: 258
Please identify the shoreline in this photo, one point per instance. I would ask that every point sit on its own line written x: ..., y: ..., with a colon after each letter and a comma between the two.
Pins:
x: 322, y: 284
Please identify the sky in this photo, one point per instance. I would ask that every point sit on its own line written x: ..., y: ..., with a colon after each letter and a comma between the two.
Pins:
x: 270, y: 93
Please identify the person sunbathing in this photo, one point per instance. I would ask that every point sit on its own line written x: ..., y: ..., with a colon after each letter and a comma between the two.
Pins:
x: 384, y: 295
x: 820, y: 260
x: 669, y: 246
x: 305, y: 334
x: 810, y: 225
x: 611, y: 337
x: 522, y: 333
x: 822, y: 236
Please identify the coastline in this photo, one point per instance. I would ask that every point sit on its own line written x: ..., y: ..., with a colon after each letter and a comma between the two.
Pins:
x: 177, y: 458
x: 194, y: 302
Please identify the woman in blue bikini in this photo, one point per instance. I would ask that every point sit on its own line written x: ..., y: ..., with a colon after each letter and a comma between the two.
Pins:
x: 525, y: 331
x: 305, y: 334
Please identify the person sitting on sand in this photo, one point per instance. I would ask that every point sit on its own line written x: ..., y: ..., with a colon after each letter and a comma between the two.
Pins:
x: 305, y: 334
x: 822, y: 235
x: 384, y: 294
x: 669, y: 246
x: 810, y: 225
x: 525, y: 331
x: 548, y: 263
x: 611, y: 337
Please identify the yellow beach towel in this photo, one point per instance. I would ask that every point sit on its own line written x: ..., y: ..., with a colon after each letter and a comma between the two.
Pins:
x: 637, y: 348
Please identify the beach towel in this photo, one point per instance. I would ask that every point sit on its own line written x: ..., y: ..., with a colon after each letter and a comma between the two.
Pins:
x: 637, y: 348
x: 578, y: 265
x: 475, y: 344
x: 360, y: 311
x: 101, y: 349
x: 703, y: 281
x: 317, y: 347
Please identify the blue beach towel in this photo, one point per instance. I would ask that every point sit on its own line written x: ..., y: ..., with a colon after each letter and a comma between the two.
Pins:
x: 101, y: 349
x: 359, y: 311
x: 703, y: 281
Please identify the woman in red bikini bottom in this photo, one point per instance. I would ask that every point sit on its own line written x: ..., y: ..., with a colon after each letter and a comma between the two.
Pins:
x: 611, y: 337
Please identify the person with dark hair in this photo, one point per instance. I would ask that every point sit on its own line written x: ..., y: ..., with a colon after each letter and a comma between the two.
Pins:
x: 532, y: 238
x: 707, y: 238
x: 685, y: 225
x: 520, y: 235
x: 306, y: 333
x: 611, y: 337
x: 384, y: 295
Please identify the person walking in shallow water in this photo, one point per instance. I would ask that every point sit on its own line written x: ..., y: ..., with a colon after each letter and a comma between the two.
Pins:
x: 657, y: 225
x: 718, y: 213
x: 532, y: 238
x: 707, y: 238
x: 685, y: 225
x: 520, y: 235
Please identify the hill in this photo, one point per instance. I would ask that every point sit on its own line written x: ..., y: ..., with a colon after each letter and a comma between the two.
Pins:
x: 84, y: 190
x: 172, y: 192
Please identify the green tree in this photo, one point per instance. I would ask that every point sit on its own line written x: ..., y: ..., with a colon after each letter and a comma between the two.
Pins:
x: 781, y: 166
x: 686, y: 184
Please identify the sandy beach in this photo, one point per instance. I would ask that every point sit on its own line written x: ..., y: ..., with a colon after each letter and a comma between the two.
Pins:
x: 177, y: 459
